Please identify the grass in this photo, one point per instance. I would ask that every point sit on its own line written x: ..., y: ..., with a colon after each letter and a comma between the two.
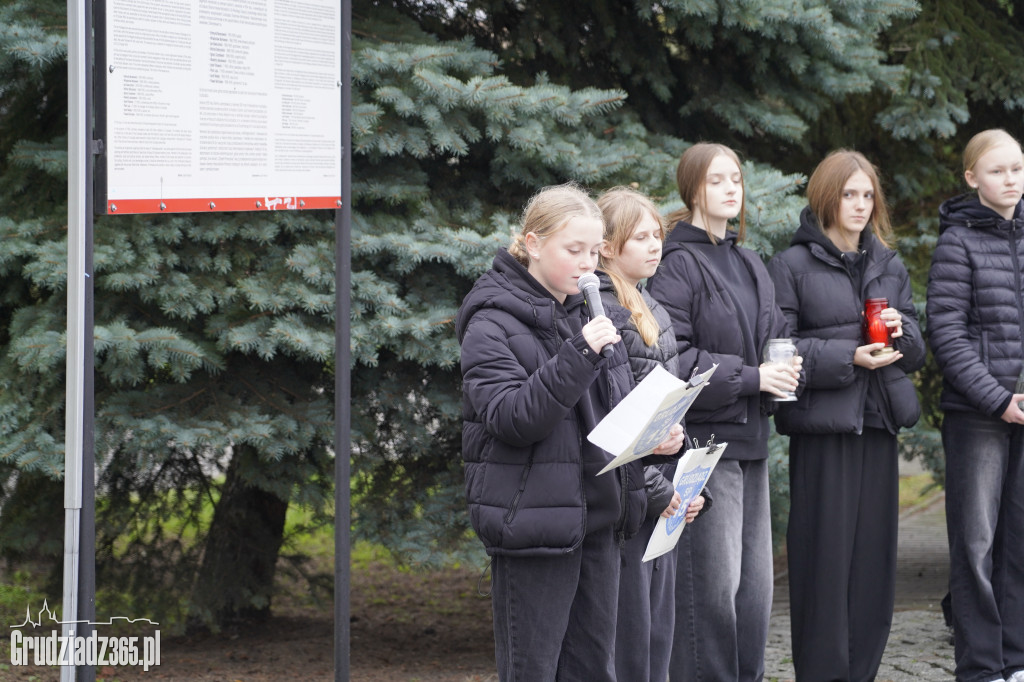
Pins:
x: 915, y: 490
x: 17, y: 592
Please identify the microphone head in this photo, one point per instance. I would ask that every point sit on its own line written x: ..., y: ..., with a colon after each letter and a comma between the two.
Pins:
x: 589, y: 283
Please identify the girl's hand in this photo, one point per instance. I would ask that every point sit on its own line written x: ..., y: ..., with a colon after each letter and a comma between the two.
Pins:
x: 599, y: 332
x: 893, y: 320
x: 777, y: 379
x: 694, y: 508
x: 862, y: 357
x: 674, y: 442
x: 1013, y: 413
x: 673, y: 506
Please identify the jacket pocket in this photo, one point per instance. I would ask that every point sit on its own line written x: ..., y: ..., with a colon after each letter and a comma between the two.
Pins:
x: 899, y: 389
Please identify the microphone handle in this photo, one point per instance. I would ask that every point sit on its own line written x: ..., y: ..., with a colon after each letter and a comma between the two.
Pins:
x: 595, y: 305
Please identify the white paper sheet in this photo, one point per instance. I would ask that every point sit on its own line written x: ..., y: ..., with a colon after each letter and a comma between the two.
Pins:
x: 643, y: 419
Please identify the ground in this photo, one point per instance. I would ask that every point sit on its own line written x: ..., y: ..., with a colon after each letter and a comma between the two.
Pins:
x: 406, y: 626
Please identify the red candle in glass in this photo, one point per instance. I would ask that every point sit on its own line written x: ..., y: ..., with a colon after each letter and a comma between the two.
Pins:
x: 875, y: 329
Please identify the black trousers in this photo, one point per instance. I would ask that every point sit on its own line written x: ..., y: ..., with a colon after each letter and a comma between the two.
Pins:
x: 841, y: 546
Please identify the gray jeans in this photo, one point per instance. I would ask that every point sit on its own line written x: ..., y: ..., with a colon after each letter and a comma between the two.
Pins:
x: 724, y: 581
x: 554, y: 616
x: 647, y: 611
x: 985, y: 522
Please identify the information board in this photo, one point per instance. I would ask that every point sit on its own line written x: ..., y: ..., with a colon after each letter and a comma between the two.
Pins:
x: 218, y: 105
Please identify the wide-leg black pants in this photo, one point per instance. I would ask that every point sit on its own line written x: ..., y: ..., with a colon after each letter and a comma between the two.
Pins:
x: 841, y: 546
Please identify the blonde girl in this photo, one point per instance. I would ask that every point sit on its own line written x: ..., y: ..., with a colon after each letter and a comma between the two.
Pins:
x: 634, y: 232
x: 975, y: 323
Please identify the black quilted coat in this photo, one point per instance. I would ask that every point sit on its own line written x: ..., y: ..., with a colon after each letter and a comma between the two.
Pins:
x: 974, y: 305
x: 824, y: 306
x: 532, y: 390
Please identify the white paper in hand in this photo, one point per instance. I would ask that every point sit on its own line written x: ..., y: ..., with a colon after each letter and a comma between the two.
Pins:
x: 643, y: 419
x: 692, y: 474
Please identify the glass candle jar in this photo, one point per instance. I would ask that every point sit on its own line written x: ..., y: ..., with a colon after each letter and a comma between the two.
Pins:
x: 875, y: 329
x: 780, y: 352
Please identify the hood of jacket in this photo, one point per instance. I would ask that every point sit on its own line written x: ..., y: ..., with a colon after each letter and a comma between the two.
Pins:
x: 967, y: 210
x: 810, y: 234
x: 683, y: 235
x: 684, y: 232
x: 509, y: 287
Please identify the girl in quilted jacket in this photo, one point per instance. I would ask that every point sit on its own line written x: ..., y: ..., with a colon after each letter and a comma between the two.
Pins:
x: 634, y: 232
x: 534, y: 385
x: 975, y: 322
x: 843, y: 460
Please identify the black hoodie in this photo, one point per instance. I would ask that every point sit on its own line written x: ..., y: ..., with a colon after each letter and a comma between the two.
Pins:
x: 722, y: 305
x: 975, y: 311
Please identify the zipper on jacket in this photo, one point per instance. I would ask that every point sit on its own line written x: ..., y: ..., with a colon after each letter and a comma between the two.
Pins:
x: 620, y: 531
x: 1016, y: 275
x: 583, y: 496
x: 519, y: 493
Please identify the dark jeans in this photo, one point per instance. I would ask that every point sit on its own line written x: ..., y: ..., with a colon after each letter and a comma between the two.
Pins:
x: 554, y: 617
x: 985, y: 522
x: 647, y: 611
x: 841, y: 549
x: 724, y: 581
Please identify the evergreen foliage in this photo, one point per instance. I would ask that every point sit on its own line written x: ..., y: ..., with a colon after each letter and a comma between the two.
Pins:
x: 214, y: 333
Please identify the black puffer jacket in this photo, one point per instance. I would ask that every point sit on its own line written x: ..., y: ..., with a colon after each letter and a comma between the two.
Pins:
x: 825, y: 307
x: 532, y: 390
x: 707, y: 328
x: 642, y: 360
x: 974, y: 305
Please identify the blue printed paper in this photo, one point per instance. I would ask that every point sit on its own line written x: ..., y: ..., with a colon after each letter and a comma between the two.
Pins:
x: 691, y: 475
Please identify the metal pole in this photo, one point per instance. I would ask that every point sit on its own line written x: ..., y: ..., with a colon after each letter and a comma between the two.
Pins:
x: 77, y: 205
x: 342, y: 366
x: 87, y: 518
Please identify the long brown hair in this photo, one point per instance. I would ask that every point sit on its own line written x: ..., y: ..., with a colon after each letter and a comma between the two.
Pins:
x: 548, y: 211
x: 623, y: 208
x: 825, y: 191
x: 692, y: 177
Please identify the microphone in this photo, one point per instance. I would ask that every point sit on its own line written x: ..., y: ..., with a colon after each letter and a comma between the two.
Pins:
x: 590, y: 287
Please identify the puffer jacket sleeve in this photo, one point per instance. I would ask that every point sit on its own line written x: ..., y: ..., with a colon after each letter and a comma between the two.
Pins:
x: 950, y: 297
x: 659, y: 491
x: 673, y: 289
x: 516, y: 407
x: 827, y: 363
x: 911, y: 342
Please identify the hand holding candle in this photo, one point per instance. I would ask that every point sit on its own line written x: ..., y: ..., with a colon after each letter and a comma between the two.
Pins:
x: 877, y: 328
x: 881, y: 325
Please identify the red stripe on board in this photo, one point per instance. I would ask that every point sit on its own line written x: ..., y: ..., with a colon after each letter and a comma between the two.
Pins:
x: 217, y: 205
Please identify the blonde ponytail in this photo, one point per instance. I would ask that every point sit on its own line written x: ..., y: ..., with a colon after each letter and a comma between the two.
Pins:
x: 640, y: 314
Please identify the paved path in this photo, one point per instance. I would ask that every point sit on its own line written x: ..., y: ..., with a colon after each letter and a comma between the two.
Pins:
x: 918, y: 648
